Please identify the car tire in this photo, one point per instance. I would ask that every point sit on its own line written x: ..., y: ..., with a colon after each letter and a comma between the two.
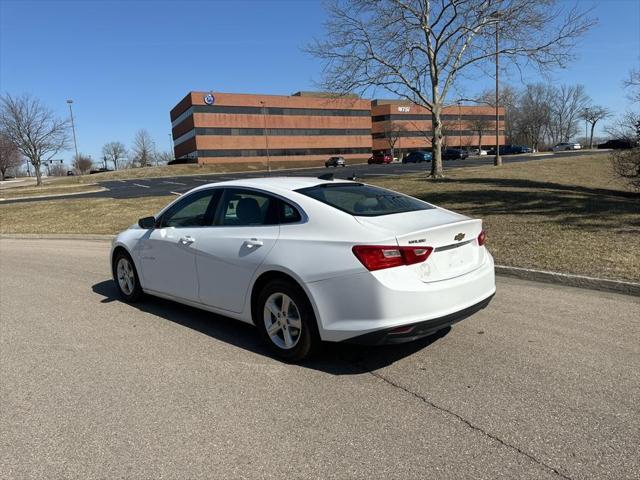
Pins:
x: 290, y: 333
x: 126, y: 277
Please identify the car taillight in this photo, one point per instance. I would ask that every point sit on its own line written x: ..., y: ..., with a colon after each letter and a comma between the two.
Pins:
x: 377, y: 257
x: 482, y: 237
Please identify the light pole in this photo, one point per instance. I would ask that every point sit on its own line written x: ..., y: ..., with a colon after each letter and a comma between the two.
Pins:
x: 266, y: 136
x: 459, y: 128
x: 585, y: 134
x: 496, y: 15
x: 73, y: 127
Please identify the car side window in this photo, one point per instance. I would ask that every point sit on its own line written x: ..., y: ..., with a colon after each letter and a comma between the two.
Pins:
x: 195, y: 210
x: 247, y: 207
x: 288, y: 213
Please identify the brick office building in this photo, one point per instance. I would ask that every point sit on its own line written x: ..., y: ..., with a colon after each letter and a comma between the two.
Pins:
x: 229, y: 127
x: 408, y: 126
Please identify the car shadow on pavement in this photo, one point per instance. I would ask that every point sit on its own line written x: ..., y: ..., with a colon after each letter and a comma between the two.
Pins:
x: 333, y: 358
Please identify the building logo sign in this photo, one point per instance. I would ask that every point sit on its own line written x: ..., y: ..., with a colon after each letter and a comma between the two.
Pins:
x: 404, y: 109
x: 209, y: 99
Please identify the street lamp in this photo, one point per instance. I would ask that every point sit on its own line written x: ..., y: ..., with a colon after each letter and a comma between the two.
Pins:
x: 266, y: 136
x: 459, y: 128
x: 497, y: 15
x: 73, y: 127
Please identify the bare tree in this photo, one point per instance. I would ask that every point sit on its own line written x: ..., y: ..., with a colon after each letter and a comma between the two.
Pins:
x: 532, y: 117
x: 626, y: 163
x: 392, y: 134
x: 626, y: 127
x: 33, y: 128
x: 82, y: 163
x: 481, y: 125
x: 567, y: 104
x: 114, y: 152
x: 143, y: 149
x: 508, y: 100
x: 163, y: 158
x: 416, y: 49
x: 9, y: 155
x: 633, y: 85
x: 592, y: 115
x: 57, y: 170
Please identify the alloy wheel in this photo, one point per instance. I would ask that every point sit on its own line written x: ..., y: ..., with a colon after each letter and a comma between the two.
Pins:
x: 282, y: 320
x: 126, y: 276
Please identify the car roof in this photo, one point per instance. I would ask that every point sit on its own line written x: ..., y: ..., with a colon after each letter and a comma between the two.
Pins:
x: 282, y: 184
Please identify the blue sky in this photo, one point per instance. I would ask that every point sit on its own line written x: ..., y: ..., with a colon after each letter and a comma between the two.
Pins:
x: 127, y: 63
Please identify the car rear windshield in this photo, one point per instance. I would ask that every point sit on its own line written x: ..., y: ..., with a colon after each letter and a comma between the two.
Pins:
x: 364, y: 200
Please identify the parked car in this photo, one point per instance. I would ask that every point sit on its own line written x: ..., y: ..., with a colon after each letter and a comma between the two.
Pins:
x: 510, y: 150
x: 380, y: 157
x: 417, y: 157
x: 559, y: 147
x: 454, y: 154
x: 335, y: 162
x: 99, y: 170
x: 289, y: 255
x: 477, y: 151
x: 616, y: 144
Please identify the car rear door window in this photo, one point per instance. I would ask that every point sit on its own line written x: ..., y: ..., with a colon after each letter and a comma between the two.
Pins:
x: 240, y: 207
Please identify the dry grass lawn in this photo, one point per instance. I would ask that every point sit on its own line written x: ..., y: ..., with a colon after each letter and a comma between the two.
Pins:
x: 562, y: 214
x: 84, y: 216
x: 47, y: 189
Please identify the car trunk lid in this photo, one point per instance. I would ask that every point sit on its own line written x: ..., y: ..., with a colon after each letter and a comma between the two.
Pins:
x: 453, y: 238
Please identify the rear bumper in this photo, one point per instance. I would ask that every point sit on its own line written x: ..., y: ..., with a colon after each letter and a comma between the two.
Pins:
x: 356, y: 305
x: 409, y: 333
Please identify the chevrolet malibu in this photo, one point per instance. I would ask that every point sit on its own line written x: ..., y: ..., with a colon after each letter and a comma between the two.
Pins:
x: 308, y: 260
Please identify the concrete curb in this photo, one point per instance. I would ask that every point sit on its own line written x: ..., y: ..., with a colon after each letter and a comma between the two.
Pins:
x: 52, y: 196
x: 55, y: 236
x: 580, y: 281
x: 557, y: 278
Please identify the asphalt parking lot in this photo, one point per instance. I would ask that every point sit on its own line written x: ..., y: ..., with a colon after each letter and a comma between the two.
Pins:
x: 544, y: 383
x: 158, y: 186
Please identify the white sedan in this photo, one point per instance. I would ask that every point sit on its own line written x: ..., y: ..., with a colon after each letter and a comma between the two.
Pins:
x: 560, y: 147
x: 308, y: 260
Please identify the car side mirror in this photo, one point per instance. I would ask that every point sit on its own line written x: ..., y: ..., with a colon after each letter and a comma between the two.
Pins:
x: 147, y: 223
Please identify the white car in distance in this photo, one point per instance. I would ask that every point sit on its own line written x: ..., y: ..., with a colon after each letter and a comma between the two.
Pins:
x: 308, y: 260
x: 560, y: 147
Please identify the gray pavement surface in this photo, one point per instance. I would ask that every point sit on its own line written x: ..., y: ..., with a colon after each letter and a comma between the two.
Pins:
x: 150, y: 187
x: 544, y: 383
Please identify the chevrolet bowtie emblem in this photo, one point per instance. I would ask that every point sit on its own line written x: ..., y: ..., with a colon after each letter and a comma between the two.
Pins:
x: 459, y: 237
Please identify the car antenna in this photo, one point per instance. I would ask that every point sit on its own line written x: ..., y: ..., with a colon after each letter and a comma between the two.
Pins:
x: 326, y: 176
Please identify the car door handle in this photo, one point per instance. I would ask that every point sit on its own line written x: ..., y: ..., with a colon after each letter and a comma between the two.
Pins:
x: 186, y: 240
x: 254, y: 242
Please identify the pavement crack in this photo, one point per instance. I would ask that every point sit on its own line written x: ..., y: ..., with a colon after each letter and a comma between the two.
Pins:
x: 467, y: 423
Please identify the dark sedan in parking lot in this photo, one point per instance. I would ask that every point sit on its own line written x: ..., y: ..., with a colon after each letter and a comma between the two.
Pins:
x: 335, y: 162
x: 618, y: 144
x: 417, y: 157
x: 510, y: 150
x: 454, y: 154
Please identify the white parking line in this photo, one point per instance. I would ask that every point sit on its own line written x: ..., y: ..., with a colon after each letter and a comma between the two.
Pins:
x: 381, y: 174
x: 176, y: 193
x: 203, y: 180
x: 174, y: 183
x: 140, y: 185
